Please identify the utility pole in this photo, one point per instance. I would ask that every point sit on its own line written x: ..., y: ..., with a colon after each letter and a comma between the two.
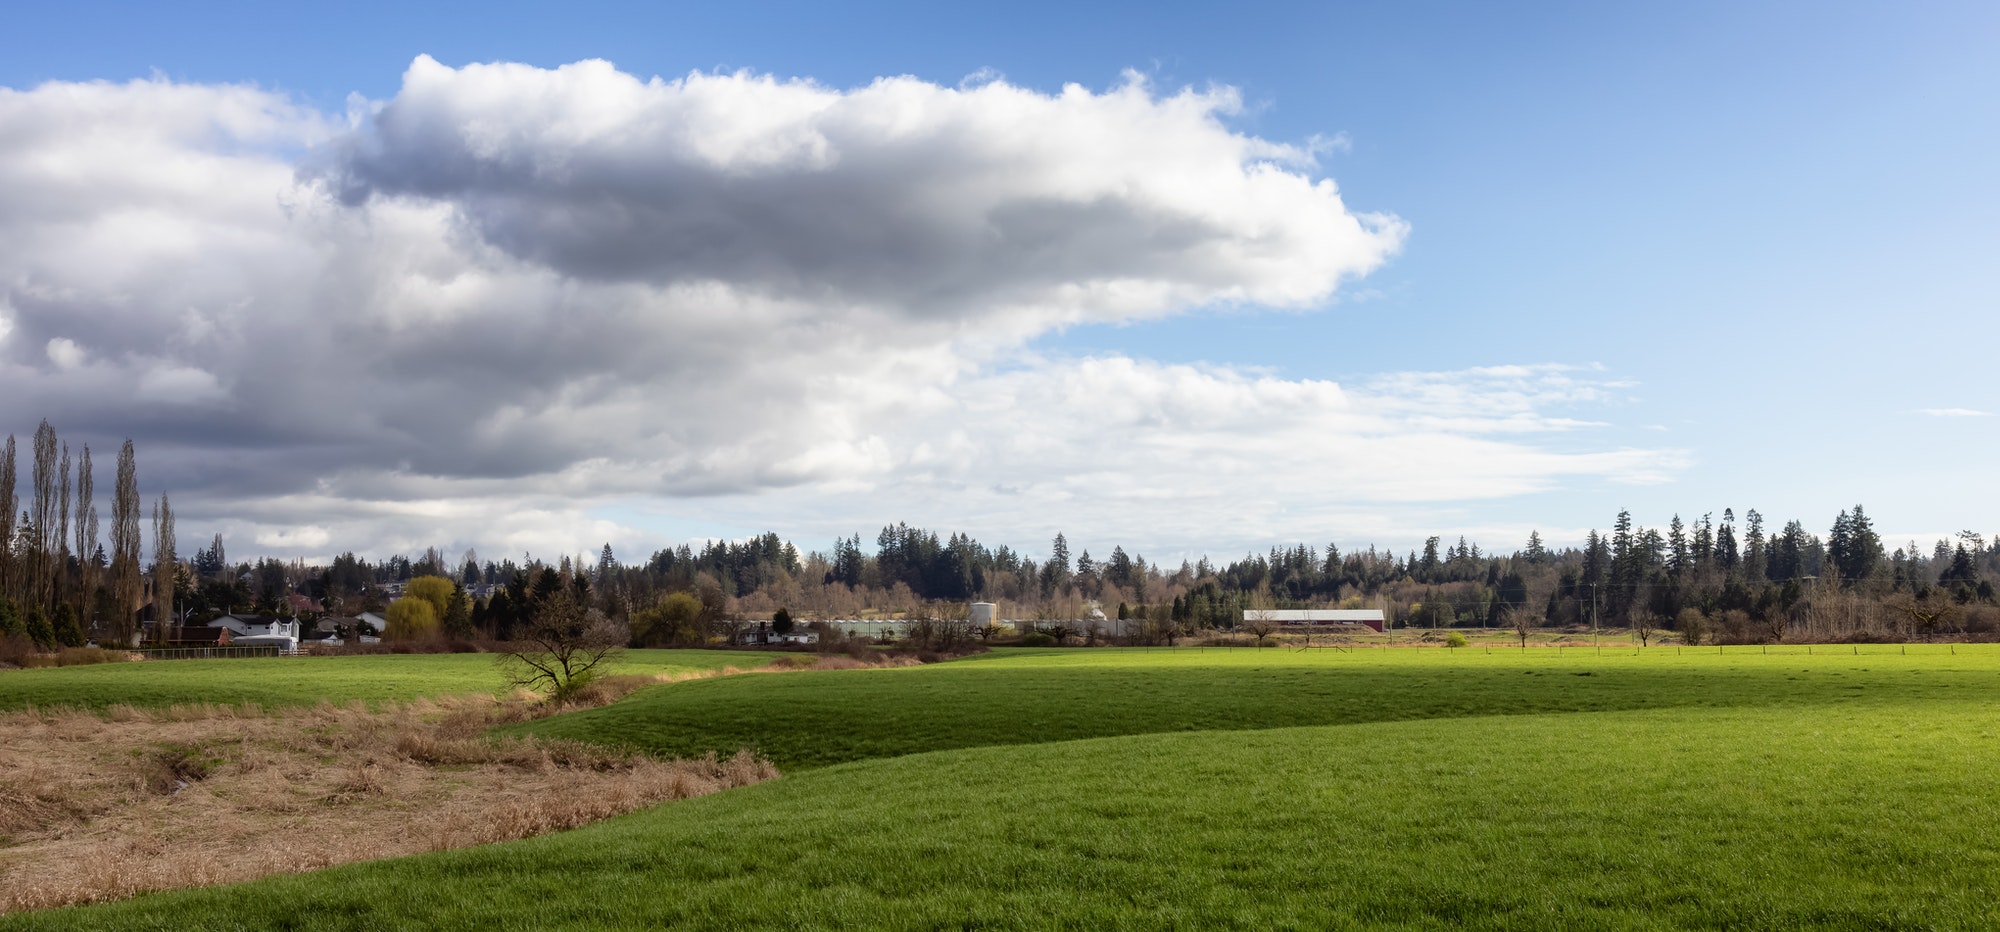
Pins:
x: 1595, y: 626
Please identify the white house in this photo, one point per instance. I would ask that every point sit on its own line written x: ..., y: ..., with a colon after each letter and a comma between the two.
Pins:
x: 260, y: 632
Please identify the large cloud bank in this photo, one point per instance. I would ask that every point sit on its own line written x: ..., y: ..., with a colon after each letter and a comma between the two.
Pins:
x: 512, y: 306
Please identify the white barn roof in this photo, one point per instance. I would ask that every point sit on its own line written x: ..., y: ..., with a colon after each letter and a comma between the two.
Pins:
x: 1309, y: 615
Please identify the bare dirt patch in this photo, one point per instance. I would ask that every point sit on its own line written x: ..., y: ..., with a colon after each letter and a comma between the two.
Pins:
x: 98, y: 807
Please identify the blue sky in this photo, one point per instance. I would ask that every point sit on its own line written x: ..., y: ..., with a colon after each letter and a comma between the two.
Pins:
x: 1767, y: 226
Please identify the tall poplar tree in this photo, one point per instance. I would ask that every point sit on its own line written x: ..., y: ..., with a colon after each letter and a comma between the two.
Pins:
x: 42, y: 562
x: 62, y: 529
x: 166, y: 563
x: 125, y: 587
x: 86, y: 536
x: 9, y: 579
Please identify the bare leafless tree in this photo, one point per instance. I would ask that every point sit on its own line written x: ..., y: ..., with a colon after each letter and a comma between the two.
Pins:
x: 86, y: 536
x: 9, y: 558
x: 1259, y: 624
x: 1693, y: 624
x: 42, y: 514
x: 125, y: 546
x: 1522, y: 619
x: 166, y: 563
x: 1926, y: 615
x: 1644, y: 623
x: 562, y: 647
x: 62, y: 526
x: 1821, y: 606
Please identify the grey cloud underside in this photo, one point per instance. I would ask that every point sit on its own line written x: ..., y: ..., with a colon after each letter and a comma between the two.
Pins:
x: 513, y: 295
x: 860, y: 232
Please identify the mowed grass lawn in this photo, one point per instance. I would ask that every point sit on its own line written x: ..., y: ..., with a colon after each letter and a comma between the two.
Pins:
x: 282, y: 681
x: 1440, y: 791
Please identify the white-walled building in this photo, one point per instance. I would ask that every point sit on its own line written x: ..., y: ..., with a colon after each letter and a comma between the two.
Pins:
x: 244, y: 631
x: 1368, y: 617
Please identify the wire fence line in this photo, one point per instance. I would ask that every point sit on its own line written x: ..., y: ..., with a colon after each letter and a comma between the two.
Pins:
x: 1915, y: 648
x: 208, y: 653
x: 1660, y: 650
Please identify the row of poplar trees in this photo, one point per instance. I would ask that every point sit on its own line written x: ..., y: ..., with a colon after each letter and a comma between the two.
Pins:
x: 57, y: 581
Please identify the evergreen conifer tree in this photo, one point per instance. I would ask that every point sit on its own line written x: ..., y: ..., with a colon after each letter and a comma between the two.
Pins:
x: 39, y: 630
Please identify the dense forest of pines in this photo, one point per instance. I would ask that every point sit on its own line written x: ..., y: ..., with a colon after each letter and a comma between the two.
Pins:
x: 1712, y: 579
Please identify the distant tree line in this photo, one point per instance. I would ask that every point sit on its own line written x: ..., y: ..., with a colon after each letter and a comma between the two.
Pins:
x: 1713, y: 578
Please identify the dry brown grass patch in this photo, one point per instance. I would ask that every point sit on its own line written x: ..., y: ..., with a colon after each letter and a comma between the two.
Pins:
x: 98, y: 807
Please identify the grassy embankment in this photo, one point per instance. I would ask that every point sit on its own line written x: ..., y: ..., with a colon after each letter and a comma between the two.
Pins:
x: 284, y: 681
x: 1398, y: 789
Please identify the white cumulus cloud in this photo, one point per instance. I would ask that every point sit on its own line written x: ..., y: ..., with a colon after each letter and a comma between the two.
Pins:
x: 510, y: 300
x: 65, y: 353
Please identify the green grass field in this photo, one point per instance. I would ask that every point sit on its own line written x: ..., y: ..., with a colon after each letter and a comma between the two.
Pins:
x: 279, y: 681
x: 811, y: 719
x: 1253, y: 789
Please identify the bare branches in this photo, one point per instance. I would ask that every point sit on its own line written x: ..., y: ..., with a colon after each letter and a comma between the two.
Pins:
x: 41, y: 584
x: 86, y: 535
x: 125, y: 545
x: 562, y: 647
x: 1926, y: 615
x: 1259, y: 624
x: 1644, y: 624
x: 8, y: 552
x: 1522, y: 619
x: 165, y: 562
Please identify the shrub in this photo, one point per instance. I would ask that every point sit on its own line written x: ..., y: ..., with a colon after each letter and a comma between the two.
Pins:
x: 1455, y: 639
x: 16, y: 650
x: 1693, y: 625
x: 435, y: 590
x: 1735, y: 625
x: 80, y: 656
x: 411, y: 619
x: 1038, y: 639
x: 1865, y: 636
x: 676, y: 618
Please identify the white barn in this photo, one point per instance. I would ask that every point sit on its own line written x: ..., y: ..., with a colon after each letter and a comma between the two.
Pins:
x: 1369, y: 617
